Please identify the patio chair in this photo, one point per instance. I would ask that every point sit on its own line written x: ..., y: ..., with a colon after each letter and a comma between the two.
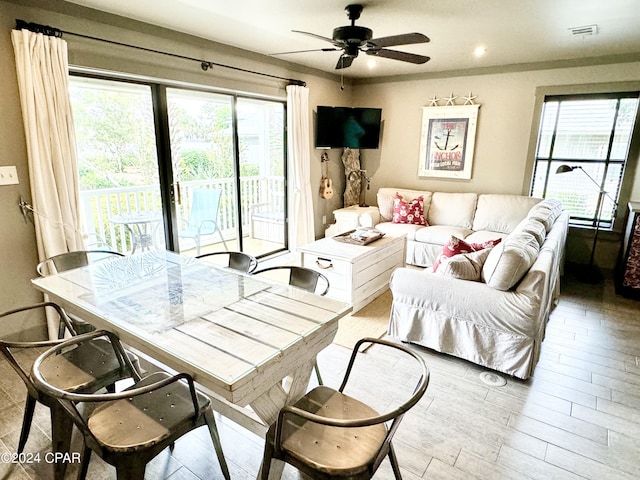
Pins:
x: 306, y: 279
x: 84, y: 369
x: 69, y: 261
x: 203, y: 218
x: 129, y: 428
x: 243, y: 262
x: 328, y: 434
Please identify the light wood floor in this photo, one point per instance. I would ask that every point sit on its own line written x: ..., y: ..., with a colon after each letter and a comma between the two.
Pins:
x: 579, y: 417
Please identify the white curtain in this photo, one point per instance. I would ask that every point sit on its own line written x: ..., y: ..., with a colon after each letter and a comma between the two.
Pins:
x: 301, y: 230
x: 42, y: 69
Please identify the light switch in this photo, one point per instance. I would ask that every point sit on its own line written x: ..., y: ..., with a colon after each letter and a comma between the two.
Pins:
x: 8, y: 176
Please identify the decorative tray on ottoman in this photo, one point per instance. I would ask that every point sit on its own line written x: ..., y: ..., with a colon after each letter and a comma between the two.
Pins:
x: 360, y: 236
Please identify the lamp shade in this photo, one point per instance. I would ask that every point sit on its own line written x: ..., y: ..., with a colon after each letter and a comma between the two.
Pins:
x: 565, y: 169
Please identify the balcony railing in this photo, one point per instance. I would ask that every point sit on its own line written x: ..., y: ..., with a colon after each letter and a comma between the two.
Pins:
x: 99, y: 206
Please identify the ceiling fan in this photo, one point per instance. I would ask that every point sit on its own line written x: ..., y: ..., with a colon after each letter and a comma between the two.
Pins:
x: 352, y: 39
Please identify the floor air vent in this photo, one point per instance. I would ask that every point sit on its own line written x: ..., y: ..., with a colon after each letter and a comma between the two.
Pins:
x: 586, y: 30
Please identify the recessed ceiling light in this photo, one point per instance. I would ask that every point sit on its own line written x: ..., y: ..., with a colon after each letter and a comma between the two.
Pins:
x: 479, y: 51
x: 371, y: 63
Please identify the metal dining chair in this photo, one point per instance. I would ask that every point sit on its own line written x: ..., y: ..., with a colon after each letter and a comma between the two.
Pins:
x: 69, y: 261
x: 302, y: 277
x: 129, y: 428
x: 85, y: 369
x: 306, y: 279
x: 328, y: 434
x: 243, y: 262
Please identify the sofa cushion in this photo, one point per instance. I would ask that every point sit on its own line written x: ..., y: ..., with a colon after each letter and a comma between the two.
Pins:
x: 534, y: 227
x: 546, y: 212
x: 411, y: 211
x: 386, y: 195
x: 466, y: 266
x: 509, y: 261
x: 440, y: 234
x: 453, y: 209
x: 399, y: 229
x: 501, y: 213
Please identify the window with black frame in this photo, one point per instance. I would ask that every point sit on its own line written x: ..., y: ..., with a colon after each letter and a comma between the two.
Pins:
x: 587, y: 139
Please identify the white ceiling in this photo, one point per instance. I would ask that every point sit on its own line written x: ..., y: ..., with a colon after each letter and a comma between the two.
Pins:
x: 511, y: 31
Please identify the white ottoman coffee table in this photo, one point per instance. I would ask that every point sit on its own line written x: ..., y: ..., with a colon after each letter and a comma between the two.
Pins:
x: 357, y: 273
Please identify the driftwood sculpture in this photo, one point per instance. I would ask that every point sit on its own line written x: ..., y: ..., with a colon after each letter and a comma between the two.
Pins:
x: 351, y: 162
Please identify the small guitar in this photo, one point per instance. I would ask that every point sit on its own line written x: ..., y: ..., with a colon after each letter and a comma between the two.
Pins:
x: 326, y: 188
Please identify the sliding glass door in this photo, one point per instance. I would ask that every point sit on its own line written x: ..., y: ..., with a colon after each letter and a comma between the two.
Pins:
x: 118, y: 164
x: 260, y: 127
x: 168, y: 167
x: 204, y: 179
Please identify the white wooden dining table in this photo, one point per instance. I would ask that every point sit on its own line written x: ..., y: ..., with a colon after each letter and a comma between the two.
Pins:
x: 247, y: 341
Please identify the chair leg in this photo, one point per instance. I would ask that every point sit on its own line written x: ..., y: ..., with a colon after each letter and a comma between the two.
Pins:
x: 266, y: 459
x: 84, y: 465
x: 222, y: 238
x: 315, y: 367
x: 29, y: 408
x: 61, y: 429
x: 394, y: 463
x: 215, y: 437
x: 130, y: 469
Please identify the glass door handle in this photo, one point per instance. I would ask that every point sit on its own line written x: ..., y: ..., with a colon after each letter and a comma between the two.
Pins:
x: 178, y: 194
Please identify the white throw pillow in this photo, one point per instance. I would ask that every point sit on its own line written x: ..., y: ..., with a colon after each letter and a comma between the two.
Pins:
x: 465, y: 266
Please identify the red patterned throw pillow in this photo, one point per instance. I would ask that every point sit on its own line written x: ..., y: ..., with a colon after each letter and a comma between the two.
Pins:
x: 486, y: 244
x: 453, y: 247
x: 456, y: 246
x: 411, y: 212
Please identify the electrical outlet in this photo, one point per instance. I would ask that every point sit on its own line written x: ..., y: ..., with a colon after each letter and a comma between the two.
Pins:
x: 8, y: 176
x: 324, y: 219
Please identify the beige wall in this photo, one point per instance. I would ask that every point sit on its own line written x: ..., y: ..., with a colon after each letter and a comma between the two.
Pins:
x: 501, y: 145
x: 503, y: 138
x: 504, y: 125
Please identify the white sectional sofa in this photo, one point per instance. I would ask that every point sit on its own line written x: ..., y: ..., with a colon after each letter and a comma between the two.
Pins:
x: 499, y: 319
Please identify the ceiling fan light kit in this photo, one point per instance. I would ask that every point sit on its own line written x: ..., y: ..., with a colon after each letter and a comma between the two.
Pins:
x: 353, y: 39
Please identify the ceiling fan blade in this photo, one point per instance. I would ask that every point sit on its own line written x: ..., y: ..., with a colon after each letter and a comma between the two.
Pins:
x: 328, y: 49
x: 344, y: 61
x: 396, y: 55
x: 326, y: 39
x: 404, y: 39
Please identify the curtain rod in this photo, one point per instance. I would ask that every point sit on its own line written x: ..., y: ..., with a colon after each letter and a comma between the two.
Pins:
x: 204, y: 64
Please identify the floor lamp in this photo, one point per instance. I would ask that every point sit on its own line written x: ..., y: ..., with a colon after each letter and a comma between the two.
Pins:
x: 596, y: 276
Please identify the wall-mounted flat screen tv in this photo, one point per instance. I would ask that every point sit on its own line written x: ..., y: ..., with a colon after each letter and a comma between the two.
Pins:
x: 339, y: 127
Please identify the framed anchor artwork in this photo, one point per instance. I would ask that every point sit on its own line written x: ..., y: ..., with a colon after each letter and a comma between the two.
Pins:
x: 447, y: 141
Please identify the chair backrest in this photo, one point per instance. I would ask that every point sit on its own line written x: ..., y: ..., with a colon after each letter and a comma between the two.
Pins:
x: 316, y: 407
x: 243, y: 262
x: 204, y: 210
x: 10, y: 344
x: 397, y: 414
x: 302, y: 277
x: 70, y: 260
x: 46, y: 377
